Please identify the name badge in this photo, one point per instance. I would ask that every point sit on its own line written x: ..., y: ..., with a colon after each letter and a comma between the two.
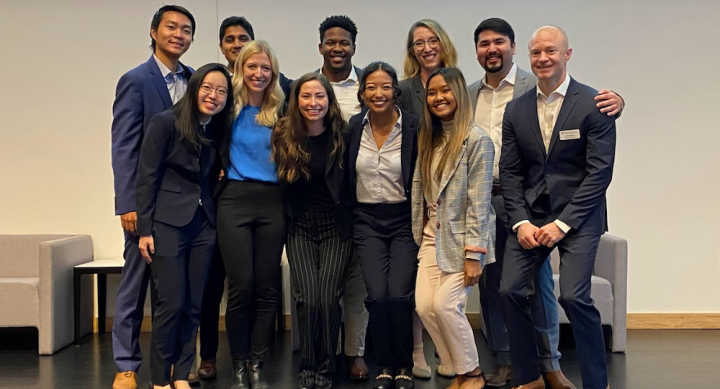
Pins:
x: 570, y: 134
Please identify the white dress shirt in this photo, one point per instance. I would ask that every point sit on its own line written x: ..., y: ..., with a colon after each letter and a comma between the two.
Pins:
x: 176, y: 82
x: 346, y: 94
x: 379, y: 171
x: 490, y: 109
x: 548, y: 108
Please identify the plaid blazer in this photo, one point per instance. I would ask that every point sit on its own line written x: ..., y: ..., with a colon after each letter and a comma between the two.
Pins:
x: 465, y: 216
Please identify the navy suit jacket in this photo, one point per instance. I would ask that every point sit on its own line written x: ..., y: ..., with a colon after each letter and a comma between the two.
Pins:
x: 575, y: 173
x: 141, y: 93
x: 172, y: 176
x: 408, y: 151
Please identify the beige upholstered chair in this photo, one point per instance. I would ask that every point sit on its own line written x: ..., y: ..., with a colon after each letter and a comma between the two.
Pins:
x: 36, y: 285
x: 609, y: 287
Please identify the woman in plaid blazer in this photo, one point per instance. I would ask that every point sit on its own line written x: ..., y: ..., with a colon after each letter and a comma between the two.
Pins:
x: 453, y: 220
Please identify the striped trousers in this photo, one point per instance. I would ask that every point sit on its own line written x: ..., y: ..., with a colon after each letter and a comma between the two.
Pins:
x: 318, y: 260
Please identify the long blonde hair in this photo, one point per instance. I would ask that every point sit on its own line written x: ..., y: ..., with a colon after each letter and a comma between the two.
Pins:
x: 448, y: 54
x: 289, y: 136
x: 273, y: 97
x: 431, y: 136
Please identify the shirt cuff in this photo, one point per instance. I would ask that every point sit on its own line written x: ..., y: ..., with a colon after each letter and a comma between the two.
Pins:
x: 518, y: 224
x: 564, y: 227
x: 474, y: 256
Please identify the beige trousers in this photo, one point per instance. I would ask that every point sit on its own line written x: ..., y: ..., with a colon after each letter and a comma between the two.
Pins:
x: 440, y: 303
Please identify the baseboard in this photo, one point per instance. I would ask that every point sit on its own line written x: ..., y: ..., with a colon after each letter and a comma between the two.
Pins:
x: 474, y: 319
x: 666, y: 321
x: 635, y: 321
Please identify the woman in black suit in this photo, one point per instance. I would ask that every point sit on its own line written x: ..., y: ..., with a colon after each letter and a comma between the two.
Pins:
x: 308, y: 147
x: 176, y: 215
x: 382, y: 154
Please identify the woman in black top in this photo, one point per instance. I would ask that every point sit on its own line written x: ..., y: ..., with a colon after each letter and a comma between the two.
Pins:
x: 176, y: 215
x: 309, y: 147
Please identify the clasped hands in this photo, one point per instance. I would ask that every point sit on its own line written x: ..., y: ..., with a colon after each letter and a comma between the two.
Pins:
x: 530, y: 236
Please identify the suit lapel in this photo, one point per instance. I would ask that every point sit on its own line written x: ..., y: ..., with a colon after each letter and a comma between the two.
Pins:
x: 449, y: 171
x: 565, y: 109
x: 331, y: 170
x: 534, y: 121
x: 408, y: 138
x: 354, y: 150
x: 521, y: 83
x: 159, y: 82
x: 419, y: 90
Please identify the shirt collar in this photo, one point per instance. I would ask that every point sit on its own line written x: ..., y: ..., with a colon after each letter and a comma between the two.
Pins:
x: 366, y: 118
x: 164, y: 69
x: 509, y: 78
x: 561, y: 90
x: 351, y: 77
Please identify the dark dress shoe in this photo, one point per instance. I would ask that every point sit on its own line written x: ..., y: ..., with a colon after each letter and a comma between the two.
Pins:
x: 240, y: 376
x: 324, y: 385
x: 207, y: 370
x: 358, y: 368
x: 404, y: 379
x: 256, y: 376
x: 556, y: 380
x: 384, y: 379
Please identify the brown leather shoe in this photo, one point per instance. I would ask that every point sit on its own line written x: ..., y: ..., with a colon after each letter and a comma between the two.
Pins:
x: 499, y: 375
x: 537, y: 384
x: 358, y: 368
x: 207, y: 370
x: 125, y: 380
x: 556, y: 380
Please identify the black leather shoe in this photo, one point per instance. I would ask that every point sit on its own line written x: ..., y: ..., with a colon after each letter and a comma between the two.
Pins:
x: 404, y: 379
x: 256, y: 376
x: 384, y: 379
x: 240, y: 376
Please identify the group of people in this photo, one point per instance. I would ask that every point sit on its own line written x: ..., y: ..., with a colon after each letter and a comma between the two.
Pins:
x: 392, y: 197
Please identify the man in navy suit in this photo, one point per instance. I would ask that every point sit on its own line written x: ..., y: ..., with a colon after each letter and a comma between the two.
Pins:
x: 150, y: 88
x: 556, y: 164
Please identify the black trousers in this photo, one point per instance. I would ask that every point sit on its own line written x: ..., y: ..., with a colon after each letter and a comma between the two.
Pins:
x: 179, y: 270
x: 318, y: 260
x: 388, y: 259
x: 251, y: 235
x: 577, y: 261
x: 210, y: 315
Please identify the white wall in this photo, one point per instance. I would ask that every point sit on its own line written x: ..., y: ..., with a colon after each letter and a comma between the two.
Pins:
x: 61, y: 61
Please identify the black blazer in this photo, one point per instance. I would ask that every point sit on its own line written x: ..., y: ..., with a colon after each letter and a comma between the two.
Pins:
x: 412, y: 95
x: 172, y: 177
x: 408, y: 153
x: 575, y: 171
x: 335, y: 176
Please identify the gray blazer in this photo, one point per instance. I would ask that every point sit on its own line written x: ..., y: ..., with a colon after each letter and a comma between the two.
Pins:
x: 412, y: 95
x: 465, y: 217
x: 524, y: 81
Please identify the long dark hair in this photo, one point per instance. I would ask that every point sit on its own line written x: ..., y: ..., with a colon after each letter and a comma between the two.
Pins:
x: 289, y: 135
x: 187, y: 117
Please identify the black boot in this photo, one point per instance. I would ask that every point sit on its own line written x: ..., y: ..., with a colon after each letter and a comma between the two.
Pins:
x: 256, y: 376
x: 240, y: 376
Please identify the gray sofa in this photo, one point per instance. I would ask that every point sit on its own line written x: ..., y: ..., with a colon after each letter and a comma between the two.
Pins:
x: 609, y: 287
x: 36, y: 286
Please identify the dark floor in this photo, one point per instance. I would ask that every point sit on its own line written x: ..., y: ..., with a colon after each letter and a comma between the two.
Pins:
x: 654, y: 359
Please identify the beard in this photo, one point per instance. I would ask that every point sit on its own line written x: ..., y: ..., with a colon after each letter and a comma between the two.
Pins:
x: 496, y: 68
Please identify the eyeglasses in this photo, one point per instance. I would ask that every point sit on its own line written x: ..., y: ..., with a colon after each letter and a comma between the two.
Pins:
x: 432, y: 42
x: 207, y: 88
